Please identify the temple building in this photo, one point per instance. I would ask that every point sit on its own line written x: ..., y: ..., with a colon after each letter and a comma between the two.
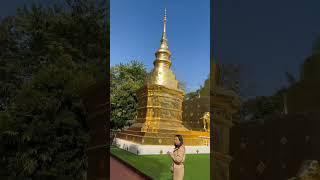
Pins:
x: 283, y: 146
x: 160, y: 111
x: 196, y: 109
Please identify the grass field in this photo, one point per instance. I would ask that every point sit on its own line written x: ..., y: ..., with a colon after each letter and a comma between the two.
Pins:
x: 197, y: 166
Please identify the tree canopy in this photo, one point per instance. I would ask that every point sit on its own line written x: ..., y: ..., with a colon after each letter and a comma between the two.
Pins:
x: 126, y: 79
x: 48, y: 55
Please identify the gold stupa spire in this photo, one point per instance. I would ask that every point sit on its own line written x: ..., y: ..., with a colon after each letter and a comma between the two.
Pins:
x: 161, y: 73
x: 164, y: 34
x: 163, y: 53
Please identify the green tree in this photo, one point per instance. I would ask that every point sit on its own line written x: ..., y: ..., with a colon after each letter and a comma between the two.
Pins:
x: 126, y: 79
x: 192, y: 95
x: 316, y: 46
x: 48, y: 56
x: 205, y: 89
x: 290, y: 78
x: 261, y: 107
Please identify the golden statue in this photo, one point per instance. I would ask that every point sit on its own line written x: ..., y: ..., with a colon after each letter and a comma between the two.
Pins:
x: 310, y: 170
x: 206, y: 121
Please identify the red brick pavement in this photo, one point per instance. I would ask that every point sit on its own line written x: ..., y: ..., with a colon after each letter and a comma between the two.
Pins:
x: 120, y: 171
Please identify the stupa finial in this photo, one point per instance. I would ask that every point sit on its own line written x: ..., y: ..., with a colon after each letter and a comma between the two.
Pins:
x: 163, y: 53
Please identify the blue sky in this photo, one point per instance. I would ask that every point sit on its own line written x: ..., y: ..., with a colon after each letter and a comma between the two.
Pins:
x: 136, y: 28
x: 268, y: 37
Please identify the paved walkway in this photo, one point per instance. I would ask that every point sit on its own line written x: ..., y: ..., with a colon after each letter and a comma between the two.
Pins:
x: 120, y: 171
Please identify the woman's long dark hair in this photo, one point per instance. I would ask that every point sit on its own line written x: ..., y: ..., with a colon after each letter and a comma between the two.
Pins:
x: 180, y: 139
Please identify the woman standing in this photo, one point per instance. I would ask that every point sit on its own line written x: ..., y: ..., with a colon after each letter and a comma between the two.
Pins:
x: 178, y: 157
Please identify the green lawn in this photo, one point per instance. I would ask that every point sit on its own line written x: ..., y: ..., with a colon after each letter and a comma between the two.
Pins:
x: 197, y: 166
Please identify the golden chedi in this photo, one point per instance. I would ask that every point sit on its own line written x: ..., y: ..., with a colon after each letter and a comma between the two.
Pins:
x: 160, y: 111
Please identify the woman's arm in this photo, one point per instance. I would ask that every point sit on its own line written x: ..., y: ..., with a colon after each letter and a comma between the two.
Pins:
x: 179, y: 157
